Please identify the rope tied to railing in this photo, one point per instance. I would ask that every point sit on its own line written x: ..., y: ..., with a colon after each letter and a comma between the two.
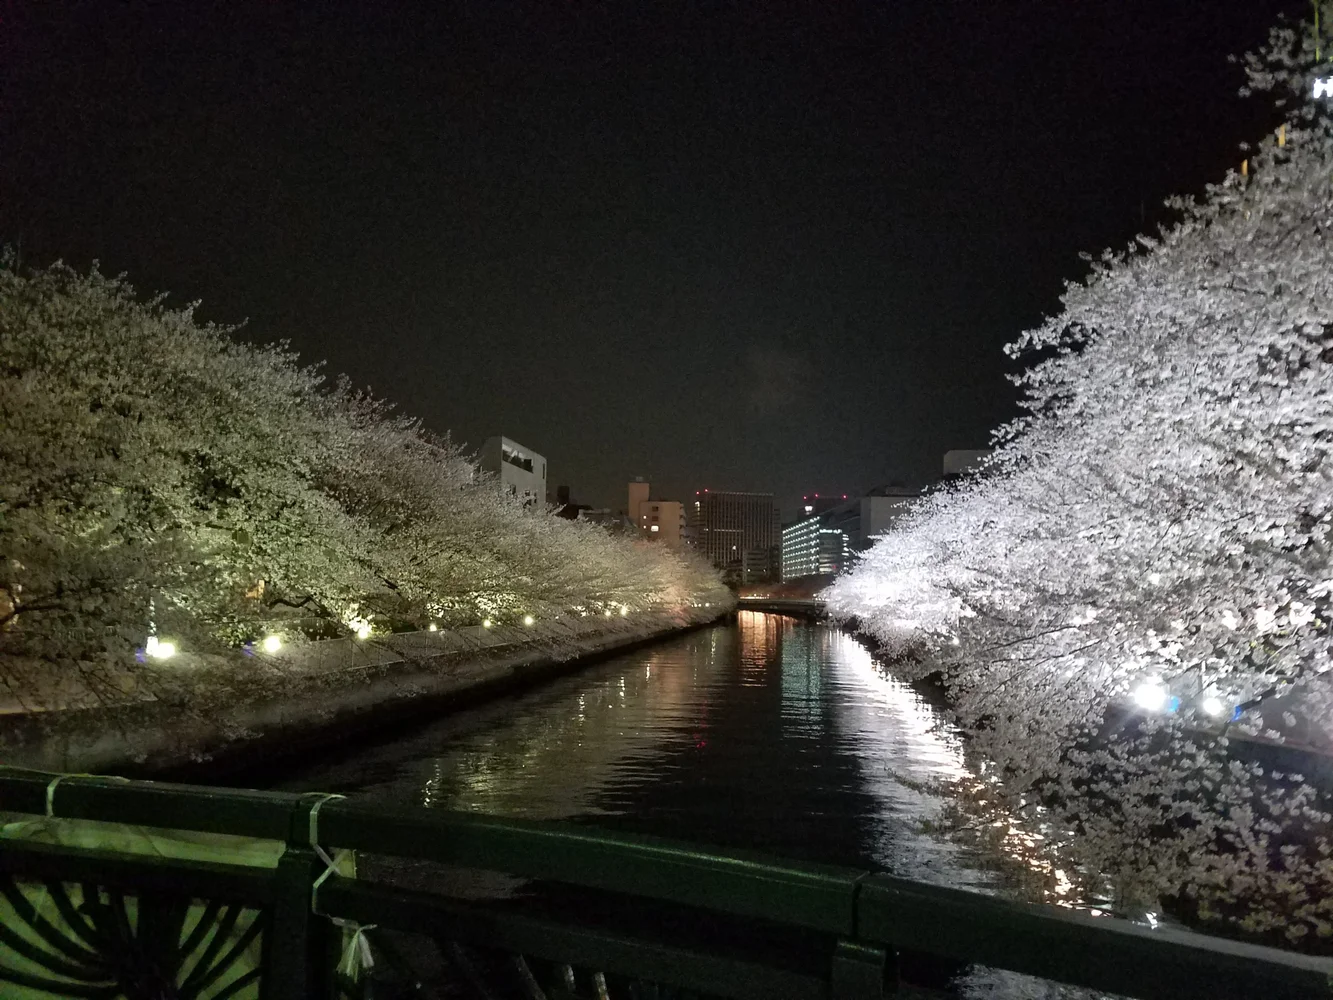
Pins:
x: 358, y: 946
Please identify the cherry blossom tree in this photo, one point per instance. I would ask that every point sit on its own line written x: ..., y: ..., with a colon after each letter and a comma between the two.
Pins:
x: 1147, y: 553
x: 162, y: 481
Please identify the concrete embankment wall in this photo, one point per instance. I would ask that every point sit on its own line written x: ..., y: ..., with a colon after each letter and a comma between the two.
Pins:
x: 332, y: 692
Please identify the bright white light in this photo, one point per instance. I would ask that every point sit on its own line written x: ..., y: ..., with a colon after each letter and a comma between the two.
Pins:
x: 1151, y: 696
x: 159, y: 650
x: 363, y: 631
x: 271, y: 643
x: 486, y: 623
x: 1323, y: 86
x: 624, y: 610
x: 432, y: 627
x: 607, y: 613
x: 528, y: 620
x: 1213, y: 705
x: 653, y: 528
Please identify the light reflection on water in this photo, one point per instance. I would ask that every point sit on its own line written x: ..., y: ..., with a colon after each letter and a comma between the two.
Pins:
x: 768, y: 734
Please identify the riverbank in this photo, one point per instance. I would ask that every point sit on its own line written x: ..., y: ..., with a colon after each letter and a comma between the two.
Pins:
x: 331, y: 692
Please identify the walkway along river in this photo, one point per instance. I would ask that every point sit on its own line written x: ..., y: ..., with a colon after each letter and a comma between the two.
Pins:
x: 767, y: 734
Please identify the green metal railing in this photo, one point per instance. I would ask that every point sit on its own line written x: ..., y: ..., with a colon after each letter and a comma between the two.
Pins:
x: 613, y: 915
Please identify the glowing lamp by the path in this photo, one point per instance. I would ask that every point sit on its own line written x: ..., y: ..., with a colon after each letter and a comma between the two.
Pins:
x: 529, y: 620
x: 159, y: 649
x: 1150, y: 696
x: 1213, y: 705
x: 271, y: 643
x: 363, y: 631
x: 486, y: 623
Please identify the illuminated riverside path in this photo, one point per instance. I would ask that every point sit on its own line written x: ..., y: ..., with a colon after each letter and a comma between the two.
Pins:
x: 766, y: 734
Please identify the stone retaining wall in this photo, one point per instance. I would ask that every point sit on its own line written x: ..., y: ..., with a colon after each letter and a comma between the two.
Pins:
x: 337, y: 690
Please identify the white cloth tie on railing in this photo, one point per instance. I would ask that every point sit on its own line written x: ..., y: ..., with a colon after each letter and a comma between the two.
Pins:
x: 51, y: 788
x: 358, y: 946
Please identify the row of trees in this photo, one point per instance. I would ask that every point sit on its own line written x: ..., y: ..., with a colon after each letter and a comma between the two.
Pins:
x: 1144, y: 568
x: 163, y: 481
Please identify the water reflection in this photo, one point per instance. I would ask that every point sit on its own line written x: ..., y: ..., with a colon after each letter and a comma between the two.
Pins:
x: 769, y: 734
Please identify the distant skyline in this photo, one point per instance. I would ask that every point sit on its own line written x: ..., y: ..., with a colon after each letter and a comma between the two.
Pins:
x: 766, y: 247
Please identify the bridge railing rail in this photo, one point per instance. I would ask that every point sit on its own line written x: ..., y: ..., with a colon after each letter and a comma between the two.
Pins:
x: 640, y: 914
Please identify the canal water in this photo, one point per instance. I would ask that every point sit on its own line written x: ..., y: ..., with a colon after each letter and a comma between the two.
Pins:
x: 766, y: 734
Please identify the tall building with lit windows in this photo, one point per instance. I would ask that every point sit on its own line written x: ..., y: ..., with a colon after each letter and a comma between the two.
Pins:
x: 737, y: 532
x: 811, y: 547
x: 831, y: 530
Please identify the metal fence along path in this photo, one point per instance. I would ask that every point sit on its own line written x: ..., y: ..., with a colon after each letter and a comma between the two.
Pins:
x: 112, y: 888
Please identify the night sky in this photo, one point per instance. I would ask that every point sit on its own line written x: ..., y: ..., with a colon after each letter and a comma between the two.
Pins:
x: 758, y: 246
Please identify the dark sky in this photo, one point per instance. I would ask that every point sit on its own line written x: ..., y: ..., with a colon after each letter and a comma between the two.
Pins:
x: 761, y: 246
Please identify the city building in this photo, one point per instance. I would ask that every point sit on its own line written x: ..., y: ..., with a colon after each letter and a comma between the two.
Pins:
x: 567, y: 508
x: 810, y: 547
x: 961, y: 462
x: 521, y: 471
x: 638, y: 493
x: 662, y: 521
x: 866, y: 518
x: 737, y: 532
x: 824, y: 541
x: 656, y: 520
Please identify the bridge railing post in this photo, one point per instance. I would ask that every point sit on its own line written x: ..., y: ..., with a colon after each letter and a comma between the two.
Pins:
x: 299, y: 949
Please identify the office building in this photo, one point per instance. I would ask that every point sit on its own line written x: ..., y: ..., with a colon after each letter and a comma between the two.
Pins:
x: 810, y: 547
x: 825, y: 541
x: 737, y: 532
x: 521, y: 471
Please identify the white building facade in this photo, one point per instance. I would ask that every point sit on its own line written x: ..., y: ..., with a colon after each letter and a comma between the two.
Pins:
x: 520, y: 470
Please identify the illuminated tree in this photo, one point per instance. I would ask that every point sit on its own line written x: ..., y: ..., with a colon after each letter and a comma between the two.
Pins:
x: 160, y: 480
x: 1149, y: 550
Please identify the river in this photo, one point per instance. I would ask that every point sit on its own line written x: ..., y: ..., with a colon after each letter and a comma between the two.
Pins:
x: 765, y: 733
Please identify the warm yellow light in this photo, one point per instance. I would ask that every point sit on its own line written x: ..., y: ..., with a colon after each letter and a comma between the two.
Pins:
x: 624, y: 610
x: 432, y: 627
x: 528, y: 620
x: 486, y: 623
x: 271, y: 643
x: 363, y: 632
x: 159, y: 650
